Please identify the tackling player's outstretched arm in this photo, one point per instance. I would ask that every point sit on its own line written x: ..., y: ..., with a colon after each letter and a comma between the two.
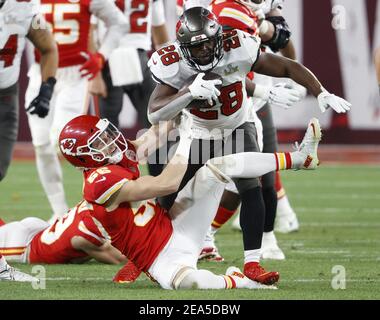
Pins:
x: 153, y: 139
x: 105, y: 253
x: 148, y: 187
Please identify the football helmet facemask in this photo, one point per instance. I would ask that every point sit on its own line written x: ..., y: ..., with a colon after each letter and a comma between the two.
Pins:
x: 90, y: 142
x: 200, y: 38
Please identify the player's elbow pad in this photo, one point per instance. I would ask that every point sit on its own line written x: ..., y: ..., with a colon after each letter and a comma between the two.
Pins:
x: 281, y: 34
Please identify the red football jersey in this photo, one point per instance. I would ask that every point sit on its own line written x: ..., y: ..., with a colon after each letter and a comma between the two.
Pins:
x: 140, y: 230
x: 53, y: 245
x: 236, y: 15
x: 70, y: 23
x: 101, y: 183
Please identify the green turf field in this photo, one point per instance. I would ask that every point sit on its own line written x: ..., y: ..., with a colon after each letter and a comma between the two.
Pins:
x: 339, y: 211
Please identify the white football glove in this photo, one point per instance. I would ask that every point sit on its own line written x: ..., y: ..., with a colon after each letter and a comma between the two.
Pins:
x: 279, y: 95
x: 205, y: 89
x: 291, y: 84
x: 326, y: 99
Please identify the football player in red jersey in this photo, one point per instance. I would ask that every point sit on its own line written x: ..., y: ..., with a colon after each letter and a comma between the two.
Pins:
x: 69, y: 22
x: 74, y: 238
x: 166, y: 244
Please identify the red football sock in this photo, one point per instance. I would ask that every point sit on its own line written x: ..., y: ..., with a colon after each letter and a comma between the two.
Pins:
x: 222, y: 216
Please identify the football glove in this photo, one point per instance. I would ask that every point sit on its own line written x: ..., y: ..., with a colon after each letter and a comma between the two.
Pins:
x: 326, y: 100
x: 202, y: 89
x: 40, y: 104
x: 283, y: 96
x: 279, y: 94
x: 95, y: 62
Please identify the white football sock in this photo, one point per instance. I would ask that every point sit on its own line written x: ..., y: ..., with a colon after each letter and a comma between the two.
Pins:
x: 283, y: 205
x: 50, y: 173
x: 204, y: 279
x: 252, y: 255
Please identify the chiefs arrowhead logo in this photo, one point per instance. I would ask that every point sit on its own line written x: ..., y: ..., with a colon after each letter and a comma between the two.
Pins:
x: 67, y: 146
x: 307, y: 162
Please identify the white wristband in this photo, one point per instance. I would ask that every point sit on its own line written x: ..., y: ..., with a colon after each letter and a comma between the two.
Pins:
x: 183, y: 148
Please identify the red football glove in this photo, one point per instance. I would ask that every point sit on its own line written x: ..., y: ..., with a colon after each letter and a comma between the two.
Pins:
x: 95, y: 63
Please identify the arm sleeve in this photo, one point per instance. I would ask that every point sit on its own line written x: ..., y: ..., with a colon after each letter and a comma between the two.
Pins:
x: 115, y: 21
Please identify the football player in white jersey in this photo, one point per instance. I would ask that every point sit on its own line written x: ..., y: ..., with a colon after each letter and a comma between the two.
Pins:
x: 201, y: 47
x: 19, y: 20
x: 126, y: 71
x: 70, y: 22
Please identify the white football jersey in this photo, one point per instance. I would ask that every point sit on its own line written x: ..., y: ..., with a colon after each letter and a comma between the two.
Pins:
x: 241, y: 51
x: 142, y: 15
x: 15, y: 21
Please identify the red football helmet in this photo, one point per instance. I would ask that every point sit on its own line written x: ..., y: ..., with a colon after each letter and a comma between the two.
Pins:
x: 90, y: 142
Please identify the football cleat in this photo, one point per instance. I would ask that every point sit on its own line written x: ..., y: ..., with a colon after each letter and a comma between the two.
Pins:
x: 12, y: 274
x: 270, y: 249
x: 2, y: 222
x: 209, y: 251
x: 257, y: 273
x: 129, y: 273
x: 242, y: 282
x: 308, y: 148
x: 210, y: 254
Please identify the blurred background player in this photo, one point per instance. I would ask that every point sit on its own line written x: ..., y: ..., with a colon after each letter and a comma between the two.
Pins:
x: 70, y: 23
x: 276, y: 36
x: 20, y: 21
x: 221, y: 124
x: 126, y: 71
x: 377, y: 65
